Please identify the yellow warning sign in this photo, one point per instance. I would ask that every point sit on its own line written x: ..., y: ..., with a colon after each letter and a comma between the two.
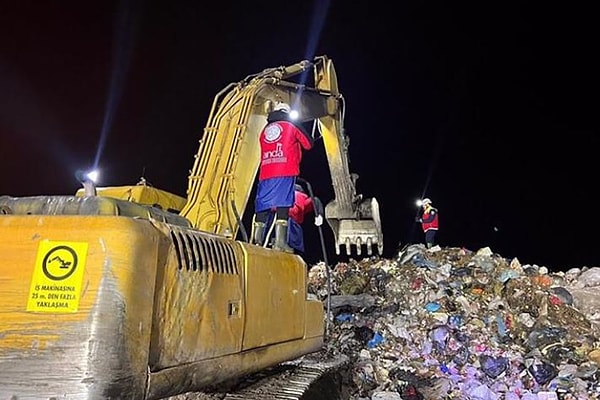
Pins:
x: 57, y: 276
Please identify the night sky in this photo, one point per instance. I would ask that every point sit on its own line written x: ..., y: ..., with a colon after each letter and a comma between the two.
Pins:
x: 489, y: 110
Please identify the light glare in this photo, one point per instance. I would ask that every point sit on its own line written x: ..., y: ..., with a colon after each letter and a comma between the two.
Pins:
x: 93, y: 175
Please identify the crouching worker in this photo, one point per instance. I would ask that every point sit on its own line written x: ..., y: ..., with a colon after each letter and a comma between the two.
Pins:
x: 303, y: 206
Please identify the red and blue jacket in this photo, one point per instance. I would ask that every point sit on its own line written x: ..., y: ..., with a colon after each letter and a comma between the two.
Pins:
x: 281, y: 144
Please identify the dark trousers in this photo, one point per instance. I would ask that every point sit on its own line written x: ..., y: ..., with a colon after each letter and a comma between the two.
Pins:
x: 430, y: 237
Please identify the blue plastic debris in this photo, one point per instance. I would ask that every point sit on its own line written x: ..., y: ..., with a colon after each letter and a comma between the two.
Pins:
x: 432, y: 306
x: 344, y: 317
x: 502, y: 330
x: 455, y: 321
x: 508, y: 274
x: 376, y: 340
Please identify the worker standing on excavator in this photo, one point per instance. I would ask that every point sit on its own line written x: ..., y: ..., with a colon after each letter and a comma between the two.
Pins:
x: 281, y: 144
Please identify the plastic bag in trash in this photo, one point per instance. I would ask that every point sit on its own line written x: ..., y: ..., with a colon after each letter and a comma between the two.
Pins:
x: 420, y: 261
x: 545, y: 336
x: 563, y: 294
x: 542, y: 372
x: 439, y: 336
x: 493, y: 367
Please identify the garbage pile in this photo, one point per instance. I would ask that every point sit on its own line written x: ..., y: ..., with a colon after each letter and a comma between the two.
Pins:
x: 450, y: 323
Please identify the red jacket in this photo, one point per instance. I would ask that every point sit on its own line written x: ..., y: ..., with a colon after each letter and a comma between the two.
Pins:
x: 430, y: 219
x: 303, y: 205
x: 281, y: 144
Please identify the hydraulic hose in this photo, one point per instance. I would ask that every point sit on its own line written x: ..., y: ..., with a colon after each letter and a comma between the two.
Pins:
x: 324, y: 251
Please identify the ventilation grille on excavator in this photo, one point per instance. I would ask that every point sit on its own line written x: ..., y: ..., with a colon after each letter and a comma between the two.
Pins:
x: 197, y: 252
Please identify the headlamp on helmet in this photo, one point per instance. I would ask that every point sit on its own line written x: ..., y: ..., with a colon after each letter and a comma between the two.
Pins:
x: 282, y: 107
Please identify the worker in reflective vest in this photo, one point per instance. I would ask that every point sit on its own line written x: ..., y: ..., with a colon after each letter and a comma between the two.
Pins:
x: 429, y: 222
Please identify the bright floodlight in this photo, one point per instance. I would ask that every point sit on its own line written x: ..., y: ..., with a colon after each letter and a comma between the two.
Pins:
x: 294, y: 114
x: 93, y: 175
x: 419, y: 202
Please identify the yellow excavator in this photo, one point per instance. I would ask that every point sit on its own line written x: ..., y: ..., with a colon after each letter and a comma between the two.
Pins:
x: 135, y: 293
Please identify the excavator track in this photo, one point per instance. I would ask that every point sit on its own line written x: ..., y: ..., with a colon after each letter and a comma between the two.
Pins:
x: 294, y: 380
x: 304, y: 381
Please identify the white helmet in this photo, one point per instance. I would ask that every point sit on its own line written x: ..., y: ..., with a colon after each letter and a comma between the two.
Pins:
x: 282, y: 107
x: 425, y: 201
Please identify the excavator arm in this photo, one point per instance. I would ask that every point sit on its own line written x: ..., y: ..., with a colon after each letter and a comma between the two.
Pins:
x: 227, y: 161
x: 355, y: 221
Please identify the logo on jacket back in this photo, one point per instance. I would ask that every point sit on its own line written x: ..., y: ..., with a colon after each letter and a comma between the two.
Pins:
x: 273, y: 133
x: 275, y: 155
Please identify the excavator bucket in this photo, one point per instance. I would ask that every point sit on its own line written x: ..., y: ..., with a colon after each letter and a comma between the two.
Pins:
x: 356, y: 229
